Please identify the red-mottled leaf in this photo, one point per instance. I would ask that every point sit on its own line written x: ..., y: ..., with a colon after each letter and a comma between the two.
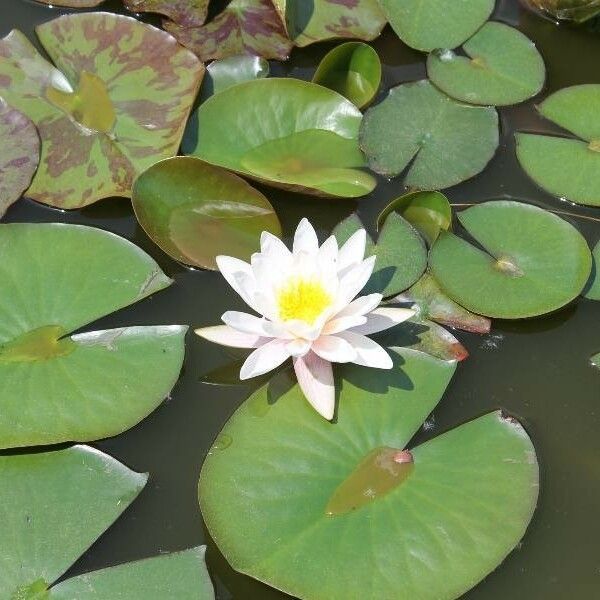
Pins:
x: 72, y: 3
x: 187, y: 13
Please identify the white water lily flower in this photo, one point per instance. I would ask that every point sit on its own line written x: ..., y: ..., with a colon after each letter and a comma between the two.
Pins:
x: 309, y: 311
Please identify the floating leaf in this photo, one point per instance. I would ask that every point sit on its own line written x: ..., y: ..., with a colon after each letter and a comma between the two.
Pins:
x: 224, y: 73
x: 352, y: 69
x: 595, y: 360
x: 81, y: 493
x: 20, y: 154
x: 58, y: 278
x: 195, y: 211
x: 533, y: 262
x: 243, y: 27
x: 569, y: 168
x: 446, y: 141
x: 72, y: 3
x: 428, y: 212
x: 430, y: 24
x: 187, y: 13
x: 502, y: 67
x: 285, y: 132
x: 358, y: 509
x: 592, y: 289
x: 97, y: 132
x: 400, y: 251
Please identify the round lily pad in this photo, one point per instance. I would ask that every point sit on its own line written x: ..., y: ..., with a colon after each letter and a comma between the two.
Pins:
x: 430, y: 24
x: 592, y: 289
x: 353, y: 69
x: 532, y: 261
x: 20, y: 154
x: 224, y: 73
x: 443, y: 141
x: 341, y: 510
x: 285, y: 132
x: 195, y: 211
x: 84, y: 386
x: 565, y: 167
x: 502, y: 67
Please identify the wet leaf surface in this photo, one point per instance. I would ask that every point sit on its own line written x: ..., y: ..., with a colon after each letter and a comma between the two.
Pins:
x: 592, y: 289
x: 224, y: 73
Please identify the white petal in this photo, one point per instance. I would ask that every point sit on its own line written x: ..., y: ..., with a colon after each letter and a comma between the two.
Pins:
x: 264, y: 359
x: 271, y: 244
x: 305, y: 239
x: 239, y: 276
x: 250, y: 324
x: 353, y: 281
x: 353, y: 251
x: 227, y: 336
x: 384, y: 318
x: 342, y: 323
x: 328, y: 252
x: 360, y: 306
x: 369, y: 353
x: 298, y: 347
x: 334, y: 349
x: 315, y: 377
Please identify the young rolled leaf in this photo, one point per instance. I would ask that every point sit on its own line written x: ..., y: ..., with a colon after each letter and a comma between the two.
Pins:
x: 20, y: 154
x: 186, y: 13
x: 592, y: 289
x: 532, y: 261
x: 502, y: 67
x: 196, y: 212
x: 88, y: 385
x: 224, y: 73
x: 97, y: 133
x: 442, y: 141
x: 567, y: 167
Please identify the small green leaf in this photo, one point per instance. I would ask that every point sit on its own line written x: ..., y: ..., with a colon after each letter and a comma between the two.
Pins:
x: 224, y: 73
x: 443, y: 141
x: 592, y: 289
x: 352, y: 69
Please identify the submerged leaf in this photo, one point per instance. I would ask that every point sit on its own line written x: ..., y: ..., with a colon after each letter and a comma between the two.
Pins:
x: 592, y: 289
x: 224, y: 73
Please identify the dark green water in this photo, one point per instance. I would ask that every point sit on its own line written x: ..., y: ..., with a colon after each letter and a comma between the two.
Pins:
x: 538, y: 370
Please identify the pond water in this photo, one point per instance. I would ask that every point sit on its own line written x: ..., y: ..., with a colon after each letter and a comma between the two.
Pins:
x: 538, y: 369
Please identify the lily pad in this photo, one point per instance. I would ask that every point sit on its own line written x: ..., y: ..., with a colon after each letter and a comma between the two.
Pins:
x: 195, y: 211
x: 353, y: 69
x: 56, y: 279
x: 20, y: 154
x: 400, y: 251
x: 430, y: 24
x: 428, y: 212
x: 532, y: 261
x: 368, y: 518
x: 97, y: 132
x: 442, y: 141
x: 72, y: 3
x: 502, y: 67
x: 187, y: 13
x: 285, y: 132
x: 84, y: 492
x: 224, y: 73
x: 595, y: 360
x: 565, y: 167
x: 592, y: 289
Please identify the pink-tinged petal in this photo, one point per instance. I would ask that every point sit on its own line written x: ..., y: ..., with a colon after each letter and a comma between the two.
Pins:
x: 368, y: 352
x: 305, y: 239
x: 361, y: 306
x: 353, y: 281
x: 227, y: 336
x: 250, y: 324
x: 384, y: 318
x: 239, y: 276
x: 315, y: 377
x: 353, y: 251
x: 298, y: 347
x: 264, y: 359
x: 271, y: 244
x: 342, y: 323
x: 334, y: 349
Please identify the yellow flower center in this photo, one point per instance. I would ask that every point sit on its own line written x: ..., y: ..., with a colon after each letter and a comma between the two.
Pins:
x: 303, y: 300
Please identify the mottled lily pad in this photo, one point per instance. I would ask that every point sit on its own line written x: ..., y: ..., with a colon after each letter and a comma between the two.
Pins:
x: 224, y: 73
x: 187, y: 13
x: 567, y: 167
x: 285, y: 132
x: 360, y: 511
x: 532, y: 261
x: 430, y: 24
x: 97, y: 131
x: 442, y: 141
x: 20, y: 154
x: 502, y: 67
x: 72, y: 3
x: 592, y: 289
x: 56, y: 279
x: 81, y: 492
x: 353, y: 69
x: 195, y: 211
x: 400, y: 251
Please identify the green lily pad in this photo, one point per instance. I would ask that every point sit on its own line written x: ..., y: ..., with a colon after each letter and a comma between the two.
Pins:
x: 430, y: 24
x: 85, y: 386
x: 353, y: 69
x: 569, y: 168
x: 343, y: 511
x: 84, y: 492
x: 592, y: 289
x: 502, y: 67
x: 187, y: 13
x: 224, y: 73
x: 532, y: 261
x: 195, y: 211
x: 443, y: 141
x: 400, y: 251
x: 428, y: 212
x: 20, y: 154
x: 97, y: 132
x: 284, y: 132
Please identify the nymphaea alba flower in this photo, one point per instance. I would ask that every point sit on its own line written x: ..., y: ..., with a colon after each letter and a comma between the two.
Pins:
x: 309, y: 311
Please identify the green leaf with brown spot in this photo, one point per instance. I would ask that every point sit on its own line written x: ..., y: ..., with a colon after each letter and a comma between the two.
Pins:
x: 187, y: 13
x: 97, y: 131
